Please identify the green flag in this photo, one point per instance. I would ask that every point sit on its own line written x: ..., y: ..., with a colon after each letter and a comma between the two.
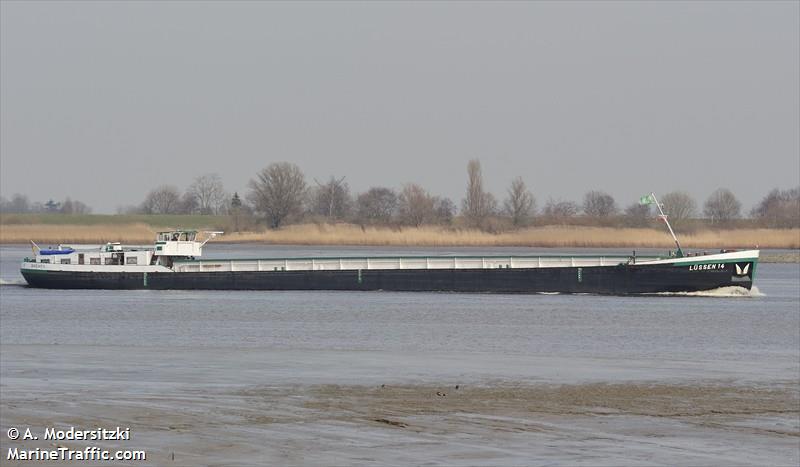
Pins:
x: 649, y: 199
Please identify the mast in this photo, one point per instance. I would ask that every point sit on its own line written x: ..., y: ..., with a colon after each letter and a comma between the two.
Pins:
x: 210, y: 236
x: 664, y: 216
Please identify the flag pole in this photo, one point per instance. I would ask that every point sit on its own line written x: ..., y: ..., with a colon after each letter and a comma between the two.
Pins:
x: 664, y: 216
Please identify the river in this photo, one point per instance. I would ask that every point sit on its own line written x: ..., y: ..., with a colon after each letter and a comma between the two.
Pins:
x: 335, y: 378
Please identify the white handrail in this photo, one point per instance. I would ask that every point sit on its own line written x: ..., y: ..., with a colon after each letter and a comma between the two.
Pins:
x: 374, y: 263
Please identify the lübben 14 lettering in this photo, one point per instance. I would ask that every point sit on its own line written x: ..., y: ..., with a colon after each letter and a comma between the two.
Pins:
x: 706, y: 267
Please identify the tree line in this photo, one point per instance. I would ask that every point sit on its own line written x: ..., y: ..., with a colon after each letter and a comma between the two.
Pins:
x: 20, y: 204
x: 206, y: 195
x: 280, y: 194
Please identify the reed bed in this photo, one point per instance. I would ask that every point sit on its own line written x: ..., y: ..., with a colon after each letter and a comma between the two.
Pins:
x: 550, y: 236
x: 348, y: 234
x: 79, y: 234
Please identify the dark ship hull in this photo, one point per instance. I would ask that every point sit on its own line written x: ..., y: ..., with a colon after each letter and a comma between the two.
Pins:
x: 623, y: 279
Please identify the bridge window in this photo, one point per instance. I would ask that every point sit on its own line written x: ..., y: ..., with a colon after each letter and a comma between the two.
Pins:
x: 65, y: 261
x: 44, y: 260
x: 94, y: 260
x: 130, y: 260
x: 110, y: 260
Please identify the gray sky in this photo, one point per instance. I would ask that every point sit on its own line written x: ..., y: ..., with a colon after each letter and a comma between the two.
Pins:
x: 104, y: 101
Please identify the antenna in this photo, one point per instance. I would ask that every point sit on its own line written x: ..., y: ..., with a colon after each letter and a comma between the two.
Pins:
x: 664, y: 216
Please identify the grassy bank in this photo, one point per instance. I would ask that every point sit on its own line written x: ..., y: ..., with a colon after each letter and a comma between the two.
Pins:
x: 156, y: 221
x: 346, y: 234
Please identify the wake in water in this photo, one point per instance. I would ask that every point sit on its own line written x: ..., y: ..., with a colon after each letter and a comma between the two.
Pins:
x: 16, y: 282
x: 728, y: 292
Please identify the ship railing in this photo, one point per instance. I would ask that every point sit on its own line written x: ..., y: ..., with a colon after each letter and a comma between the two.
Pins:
x: 395, y: 263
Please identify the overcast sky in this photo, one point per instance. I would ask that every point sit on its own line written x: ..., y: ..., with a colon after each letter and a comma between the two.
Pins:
x: 102, y: 101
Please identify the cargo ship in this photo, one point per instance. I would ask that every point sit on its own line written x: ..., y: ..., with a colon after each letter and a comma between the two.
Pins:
x: 175, y: 262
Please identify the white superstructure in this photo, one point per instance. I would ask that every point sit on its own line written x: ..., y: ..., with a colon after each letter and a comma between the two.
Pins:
x: 113, y: 257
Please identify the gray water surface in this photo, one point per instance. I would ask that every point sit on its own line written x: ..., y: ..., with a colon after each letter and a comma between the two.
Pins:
x: 264, y: 362
x: 687, y: 327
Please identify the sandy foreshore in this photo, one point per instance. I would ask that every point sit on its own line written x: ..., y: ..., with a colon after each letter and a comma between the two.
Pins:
x: 236, y: 407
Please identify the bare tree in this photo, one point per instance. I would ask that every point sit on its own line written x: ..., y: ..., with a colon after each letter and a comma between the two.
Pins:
x: 520, y: 203
x: 415, y: 205
x: 722, y: 206
x: 277, y: 192
x: 638, y: 215
x: 188, y: 204
x: 208, y: 192
x: 66, y: 206
x: 478, y: 204
x: 377, y: 205
x: 679, y: 206
x: 332, y: 199
x: 599, y: 204
x: 559, y: 209
x: 779, y: 208
x: 443, y: 210
x: 74, y: 207
x: 81, y: 208
x: 19, y: 204
x: 162, y: 200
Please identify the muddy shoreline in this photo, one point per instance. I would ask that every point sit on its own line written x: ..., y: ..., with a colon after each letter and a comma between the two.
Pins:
x: 336, y: 425
x: 237, y: 407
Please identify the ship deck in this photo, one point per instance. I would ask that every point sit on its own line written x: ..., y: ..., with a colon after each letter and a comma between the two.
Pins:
x: 403, y: 262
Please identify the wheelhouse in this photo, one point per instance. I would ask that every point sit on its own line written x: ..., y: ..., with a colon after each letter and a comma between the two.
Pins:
x: 177, y: 236
x: 178, y: 243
